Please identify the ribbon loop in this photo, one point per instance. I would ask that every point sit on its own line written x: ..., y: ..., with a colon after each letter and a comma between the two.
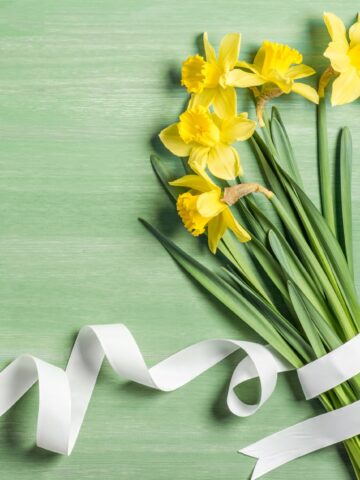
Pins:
x: 64, y: 395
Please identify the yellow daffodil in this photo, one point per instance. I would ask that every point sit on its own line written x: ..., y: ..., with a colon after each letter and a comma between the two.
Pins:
x: 207, y: 140
x: 207, y: 207
x: 202, y: 208
x: 344, y: 56
x: 274, y: 71
x: 211, y: 80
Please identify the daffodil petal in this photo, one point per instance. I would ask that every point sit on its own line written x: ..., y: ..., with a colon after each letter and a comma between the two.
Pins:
x: 229, y: 50
x: 284, y: 83
x: 171, y: 139
x: 249, y: 66
x: 260, y: 58
x: 346, y: 88
x: 337, y: 53
x: 300, y: 71
x: 306, y: 91
x: 209, y: 205
x: 204, y: 98
x: 216, y: 230
x: 210, y: 54
x: 354, y: 34
x: 234, y: 226
x: 224, y: 162
x: 224, y: 102
x: 195, y: 182
x: 336, y: 27
x: 241, y: 79
x: 237, y: 129
x: 198, y: 158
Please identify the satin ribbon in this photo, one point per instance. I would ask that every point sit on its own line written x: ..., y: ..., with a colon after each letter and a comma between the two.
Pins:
x: 64, y: 395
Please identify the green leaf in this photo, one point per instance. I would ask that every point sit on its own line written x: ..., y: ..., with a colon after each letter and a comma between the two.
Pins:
x: 326, y: 193
x: 305, y: 318
x: 244, y: 262
x: 283, y: 325
x: 333, y: 254
x: 254, y: 226
x: 305, y: 308
x: 262, y: 153
x: 319, y: 334
x: 290, y: 263
x: 285, y: 153
x: 269, y: 265
x: 262, y: 218
x: 317, y: 328
x: 296, y: 273
x: 312, y: 264
x: 345, y: 220
x: 268, y: 165
x: 229, y: 297
x: 164, y: 175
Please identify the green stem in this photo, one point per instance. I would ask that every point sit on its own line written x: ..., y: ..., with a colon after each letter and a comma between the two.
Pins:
x: 338, y: 308
x: 324, y: 167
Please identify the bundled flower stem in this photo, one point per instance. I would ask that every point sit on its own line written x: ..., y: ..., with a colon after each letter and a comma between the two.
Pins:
x: 288, y: 274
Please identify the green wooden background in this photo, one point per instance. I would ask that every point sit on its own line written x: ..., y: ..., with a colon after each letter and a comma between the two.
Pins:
x: 85, y: 85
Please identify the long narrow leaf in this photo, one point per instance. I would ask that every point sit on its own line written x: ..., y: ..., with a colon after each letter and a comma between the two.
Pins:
x: 328, y: 335
x: 285, y: 327
x: 296, y: 273
x: 345, y: 221
x: 267, y: 163
x: 229, y: 297
x: 313, y: 265
x: 333, y: 253
x: 164, y: 176
x: 306, y: 321
x: 326, y: 193
x: 230, y: 249
x: 283, y: 147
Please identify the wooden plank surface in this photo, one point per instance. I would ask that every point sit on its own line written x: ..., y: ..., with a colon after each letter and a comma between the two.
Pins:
x: 85, y: 85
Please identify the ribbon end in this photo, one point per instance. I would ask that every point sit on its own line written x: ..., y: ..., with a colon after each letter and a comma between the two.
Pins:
x: 258, y: 470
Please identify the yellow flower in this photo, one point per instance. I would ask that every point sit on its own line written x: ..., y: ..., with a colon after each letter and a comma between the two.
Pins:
x: 203, y: 208
x: 275, y: 69
x: 345, y: 59
x: 206, y: 139
x: 212, y: 80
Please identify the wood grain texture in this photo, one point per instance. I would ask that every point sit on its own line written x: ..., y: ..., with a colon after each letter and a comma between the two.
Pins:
x: 84, y: 87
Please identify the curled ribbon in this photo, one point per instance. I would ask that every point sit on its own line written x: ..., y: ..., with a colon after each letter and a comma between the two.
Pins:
x: 64, y: 395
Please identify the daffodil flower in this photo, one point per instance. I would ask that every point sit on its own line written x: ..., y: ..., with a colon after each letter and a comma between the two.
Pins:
x: 344, y: 56
x: 202, y: 208
x: 274, y: 71
x: 207, y: 208
x: 207, y: 140
x: 211, y: 80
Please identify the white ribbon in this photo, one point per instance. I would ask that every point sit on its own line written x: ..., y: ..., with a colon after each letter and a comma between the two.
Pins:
x: 315, y: 433
x: 64, y: 395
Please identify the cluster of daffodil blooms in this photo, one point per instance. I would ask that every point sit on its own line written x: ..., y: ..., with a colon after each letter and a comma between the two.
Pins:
x: 290, y: 277
x: 207, y: 130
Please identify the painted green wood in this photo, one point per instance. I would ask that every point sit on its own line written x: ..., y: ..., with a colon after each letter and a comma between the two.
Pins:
x: 84, y: 87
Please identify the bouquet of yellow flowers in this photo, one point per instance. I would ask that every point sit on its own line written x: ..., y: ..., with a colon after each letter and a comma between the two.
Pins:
x: 288, y: 275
